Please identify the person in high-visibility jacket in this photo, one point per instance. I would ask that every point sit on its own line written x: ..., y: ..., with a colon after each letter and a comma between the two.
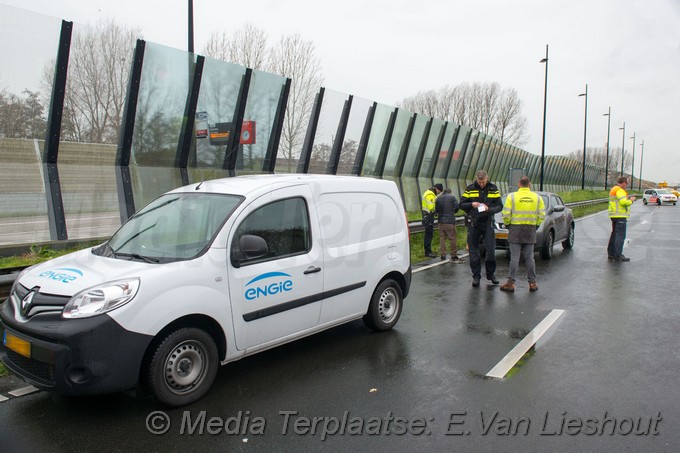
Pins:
x: 619, y: 211
x: 428, y: 210
x: 523, y: 212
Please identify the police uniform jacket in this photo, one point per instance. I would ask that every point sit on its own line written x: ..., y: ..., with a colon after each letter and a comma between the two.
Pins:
x: 489, y: 195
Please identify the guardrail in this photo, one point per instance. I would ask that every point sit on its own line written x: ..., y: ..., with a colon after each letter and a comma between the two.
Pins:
x: 417, y: 227
x: 7, y: 276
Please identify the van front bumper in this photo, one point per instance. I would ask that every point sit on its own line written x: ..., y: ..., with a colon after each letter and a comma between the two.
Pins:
x: 72, y: 356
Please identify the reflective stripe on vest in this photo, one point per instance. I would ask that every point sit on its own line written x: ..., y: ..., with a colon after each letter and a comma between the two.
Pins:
x: 524, y: 217
x: 616, y: 210
x: 428, y: 201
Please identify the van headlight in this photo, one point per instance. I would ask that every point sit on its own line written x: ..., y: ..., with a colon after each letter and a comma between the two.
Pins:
x: 101, y: 298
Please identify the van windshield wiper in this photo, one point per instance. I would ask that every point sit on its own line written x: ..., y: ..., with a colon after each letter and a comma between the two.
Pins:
x: 148, y: 259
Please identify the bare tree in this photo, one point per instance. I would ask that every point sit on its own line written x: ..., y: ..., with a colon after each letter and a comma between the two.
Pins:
x: 247, y: 47
x: 509, y: 125
x: 294, y: 58
x: 99, y: 64
x: 485, y: 107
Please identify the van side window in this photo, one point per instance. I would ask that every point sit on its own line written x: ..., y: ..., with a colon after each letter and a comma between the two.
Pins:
x: 283, y: 224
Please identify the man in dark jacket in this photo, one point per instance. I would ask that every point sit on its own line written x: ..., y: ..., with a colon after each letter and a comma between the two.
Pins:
x: 480, y: 202
x: 446, y: 206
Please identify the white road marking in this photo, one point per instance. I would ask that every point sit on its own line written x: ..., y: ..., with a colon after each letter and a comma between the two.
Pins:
x: 3, y: 398
x: 507, y: 362
x: 441, y: 262
x: 24, y: 391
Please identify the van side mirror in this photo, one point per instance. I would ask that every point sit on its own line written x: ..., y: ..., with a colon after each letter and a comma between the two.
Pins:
x: 252, y: 246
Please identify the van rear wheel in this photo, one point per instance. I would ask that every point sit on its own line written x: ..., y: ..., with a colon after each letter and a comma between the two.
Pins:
x: 385, y: 307
x: 182, y: 367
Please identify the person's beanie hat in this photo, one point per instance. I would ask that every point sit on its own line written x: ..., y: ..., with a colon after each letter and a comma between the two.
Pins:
x: 439, y: 187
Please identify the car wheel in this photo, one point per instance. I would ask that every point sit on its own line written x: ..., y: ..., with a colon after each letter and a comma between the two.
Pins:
x: 385, y: 307
x: 568, y: 243
x: 547, y: 249
x: 644, y: 201
x: 182, y: 367
x: 658, y: 201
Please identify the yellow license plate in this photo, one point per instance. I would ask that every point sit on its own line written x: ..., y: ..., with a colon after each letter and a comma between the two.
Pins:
x: 501, y: 235
x: 17, y: 345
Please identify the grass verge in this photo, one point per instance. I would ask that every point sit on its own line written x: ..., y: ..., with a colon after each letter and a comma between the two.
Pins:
x: 3, y: 370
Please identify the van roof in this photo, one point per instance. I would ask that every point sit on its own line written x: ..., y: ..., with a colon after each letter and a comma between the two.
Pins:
x: 246, y: 184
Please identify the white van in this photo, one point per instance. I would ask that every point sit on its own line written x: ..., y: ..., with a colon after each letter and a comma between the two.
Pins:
x: 207, y: 274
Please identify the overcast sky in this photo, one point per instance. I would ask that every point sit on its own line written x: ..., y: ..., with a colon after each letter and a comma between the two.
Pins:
x: 627, y: 51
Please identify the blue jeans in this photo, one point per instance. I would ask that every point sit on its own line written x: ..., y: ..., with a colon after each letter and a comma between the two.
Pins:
x: 618, y: 236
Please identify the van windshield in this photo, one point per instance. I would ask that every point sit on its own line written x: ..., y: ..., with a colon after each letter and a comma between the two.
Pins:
x: 177, y: 226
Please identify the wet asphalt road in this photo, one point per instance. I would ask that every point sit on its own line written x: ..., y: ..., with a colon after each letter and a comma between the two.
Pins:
x: 609, y: 364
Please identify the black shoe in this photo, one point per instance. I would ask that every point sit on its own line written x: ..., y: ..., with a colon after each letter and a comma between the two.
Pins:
x: 431, y: 255
x: 475, y: 282
x: 443, y: 257
x: 622, y: 258
x: 493, y: 279
x: 611, y: 258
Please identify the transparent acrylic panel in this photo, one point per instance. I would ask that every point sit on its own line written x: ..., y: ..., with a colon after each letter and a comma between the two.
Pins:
x: 417, y: 137
x: 431, y: 153
x: 474, y: 159
x: 220, y: 85
x: 375, y: 141
x: 484, y: 152
x: 441, y: 169
x: 263, y: 99
x: 465, y: 168
x: 329, y: 118
x: 99, y: 66
x: 150, y: 182
x: 397, y: 142
x: 495, y: 159
x: 89, y: 192
x: 28, y: 45
x: 99, y: 69
x: 411, y: 194
x: 163, y: 91
x: 355, y: 127
x: 490, y: 155
x: 458, y: 153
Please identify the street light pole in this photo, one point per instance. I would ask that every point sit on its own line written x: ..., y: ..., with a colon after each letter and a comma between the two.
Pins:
x: 606, y: 164
x: 585, y: 128
x: 545, y: 106
x: 191, y: 26
x: 623, y: 145
x: 642, y: 157
x: 632, y: 166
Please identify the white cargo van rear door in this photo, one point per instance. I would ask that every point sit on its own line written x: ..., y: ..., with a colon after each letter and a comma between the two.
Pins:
x: 279, y: 294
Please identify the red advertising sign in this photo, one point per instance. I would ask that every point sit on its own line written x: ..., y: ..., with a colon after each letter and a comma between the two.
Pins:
x: 247, y: 133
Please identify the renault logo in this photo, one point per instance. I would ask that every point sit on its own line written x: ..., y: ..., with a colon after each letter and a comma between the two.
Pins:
x: 26, y: 303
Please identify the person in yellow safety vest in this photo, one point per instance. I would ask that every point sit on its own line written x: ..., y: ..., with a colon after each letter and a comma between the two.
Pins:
x: 619, y: 211
x: 428, y: 208
x: 523, y: 212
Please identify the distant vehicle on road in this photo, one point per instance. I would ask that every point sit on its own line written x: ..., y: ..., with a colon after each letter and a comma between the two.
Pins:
x: 659, y: 196
x: 558, y: 226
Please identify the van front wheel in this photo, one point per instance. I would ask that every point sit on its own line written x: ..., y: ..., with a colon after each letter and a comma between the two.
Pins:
x: 385, y: 307
x: 182, y: 367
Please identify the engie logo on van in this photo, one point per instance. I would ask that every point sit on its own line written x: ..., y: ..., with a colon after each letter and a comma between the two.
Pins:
x: 268, y: 288
x: 63, y: 274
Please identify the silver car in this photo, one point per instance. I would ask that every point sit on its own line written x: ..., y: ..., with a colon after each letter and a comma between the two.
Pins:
x: 558, y: 226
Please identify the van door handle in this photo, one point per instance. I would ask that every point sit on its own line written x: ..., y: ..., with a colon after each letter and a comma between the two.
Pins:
x: 312, y: 270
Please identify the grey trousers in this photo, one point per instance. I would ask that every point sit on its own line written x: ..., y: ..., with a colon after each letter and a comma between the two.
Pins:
x: 526, y: 250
